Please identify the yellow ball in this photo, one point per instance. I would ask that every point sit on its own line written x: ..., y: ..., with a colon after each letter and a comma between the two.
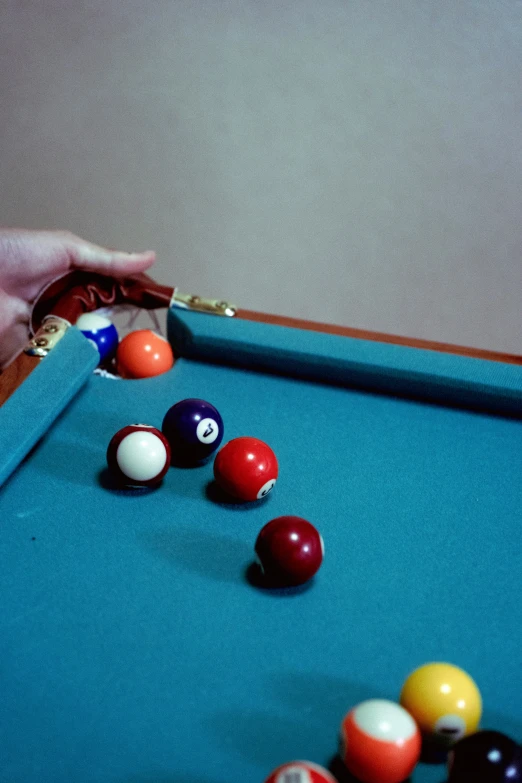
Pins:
x: 444, y: 701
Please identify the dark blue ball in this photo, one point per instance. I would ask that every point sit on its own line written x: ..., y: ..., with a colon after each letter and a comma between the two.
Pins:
x: 100, y: 331
x: 194, y: 430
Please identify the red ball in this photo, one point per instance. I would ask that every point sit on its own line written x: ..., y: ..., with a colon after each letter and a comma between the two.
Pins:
x: 246, y: 468
x: 290, y: 550
x: 138, y: 455
x: 381, y: 743
x: 300, y: 772
x: 143, y: 354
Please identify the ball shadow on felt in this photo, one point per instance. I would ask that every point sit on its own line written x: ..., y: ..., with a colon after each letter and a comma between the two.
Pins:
x: 432, y: 754
x: 211, y: 554
x: 338, y: 769
x: 256, y: 578
x: 165, y: 777
x: 112, y: 484
x: 261, y: 736
x: 218, y: 495
x: 188, y: 460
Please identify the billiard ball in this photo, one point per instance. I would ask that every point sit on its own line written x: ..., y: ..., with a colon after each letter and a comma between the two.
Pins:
x: 138, y: 456
x: 444, y: 701
x: 289, y: 550
x: 486, y: 756
x: 143, y: 354
x: 246, y: 468
x: 300, y: 772
x: 101, y: 332
x: 380, y: 742
x: 194, y: 429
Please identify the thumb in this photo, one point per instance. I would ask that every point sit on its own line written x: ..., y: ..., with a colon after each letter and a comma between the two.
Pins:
x: 93, y: 258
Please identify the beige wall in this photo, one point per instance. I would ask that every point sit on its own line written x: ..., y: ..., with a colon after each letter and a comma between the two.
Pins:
x: 357, y: 162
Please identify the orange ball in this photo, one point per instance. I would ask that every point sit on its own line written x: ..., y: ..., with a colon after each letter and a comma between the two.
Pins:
x: 142, y: 354
x: 380, y: 742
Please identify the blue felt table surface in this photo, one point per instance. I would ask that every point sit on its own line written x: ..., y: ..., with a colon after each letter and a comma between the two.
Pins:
x: 133, y: 649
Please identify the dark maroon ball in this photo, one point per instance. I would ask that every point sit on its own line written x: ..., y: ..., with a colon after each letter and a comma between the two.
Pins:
x: 138, y: 456
x: 486, y: 756
x: 290, y: 551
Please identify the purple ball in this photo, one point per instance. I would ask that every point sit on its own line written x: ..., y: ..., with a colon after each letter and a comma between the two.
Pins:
x: 194, y: 430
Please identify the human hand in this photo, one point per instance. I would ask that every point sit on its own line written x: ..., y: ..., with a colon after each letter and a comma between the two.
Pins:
x: 29, y: 260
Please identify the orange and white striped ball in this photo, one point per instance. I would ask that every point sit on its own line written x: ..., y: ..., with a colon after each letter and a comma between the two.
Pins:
x: 380, y: 742
x: 300, y: 772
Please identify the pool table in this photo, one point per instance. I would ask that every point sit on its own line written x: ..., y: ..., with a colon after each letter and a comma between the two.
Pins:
x: 136, y: 642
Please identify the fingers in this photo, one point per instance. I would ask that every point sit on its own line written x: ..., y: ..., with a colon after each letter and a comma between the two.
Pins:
x: 85, y: 255
x: 14, y: 329
x: 29, y: 260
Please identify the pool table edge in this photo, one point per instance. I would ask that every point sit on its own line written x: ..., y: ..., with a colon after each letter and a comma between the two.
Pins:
x: 380, y: 337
